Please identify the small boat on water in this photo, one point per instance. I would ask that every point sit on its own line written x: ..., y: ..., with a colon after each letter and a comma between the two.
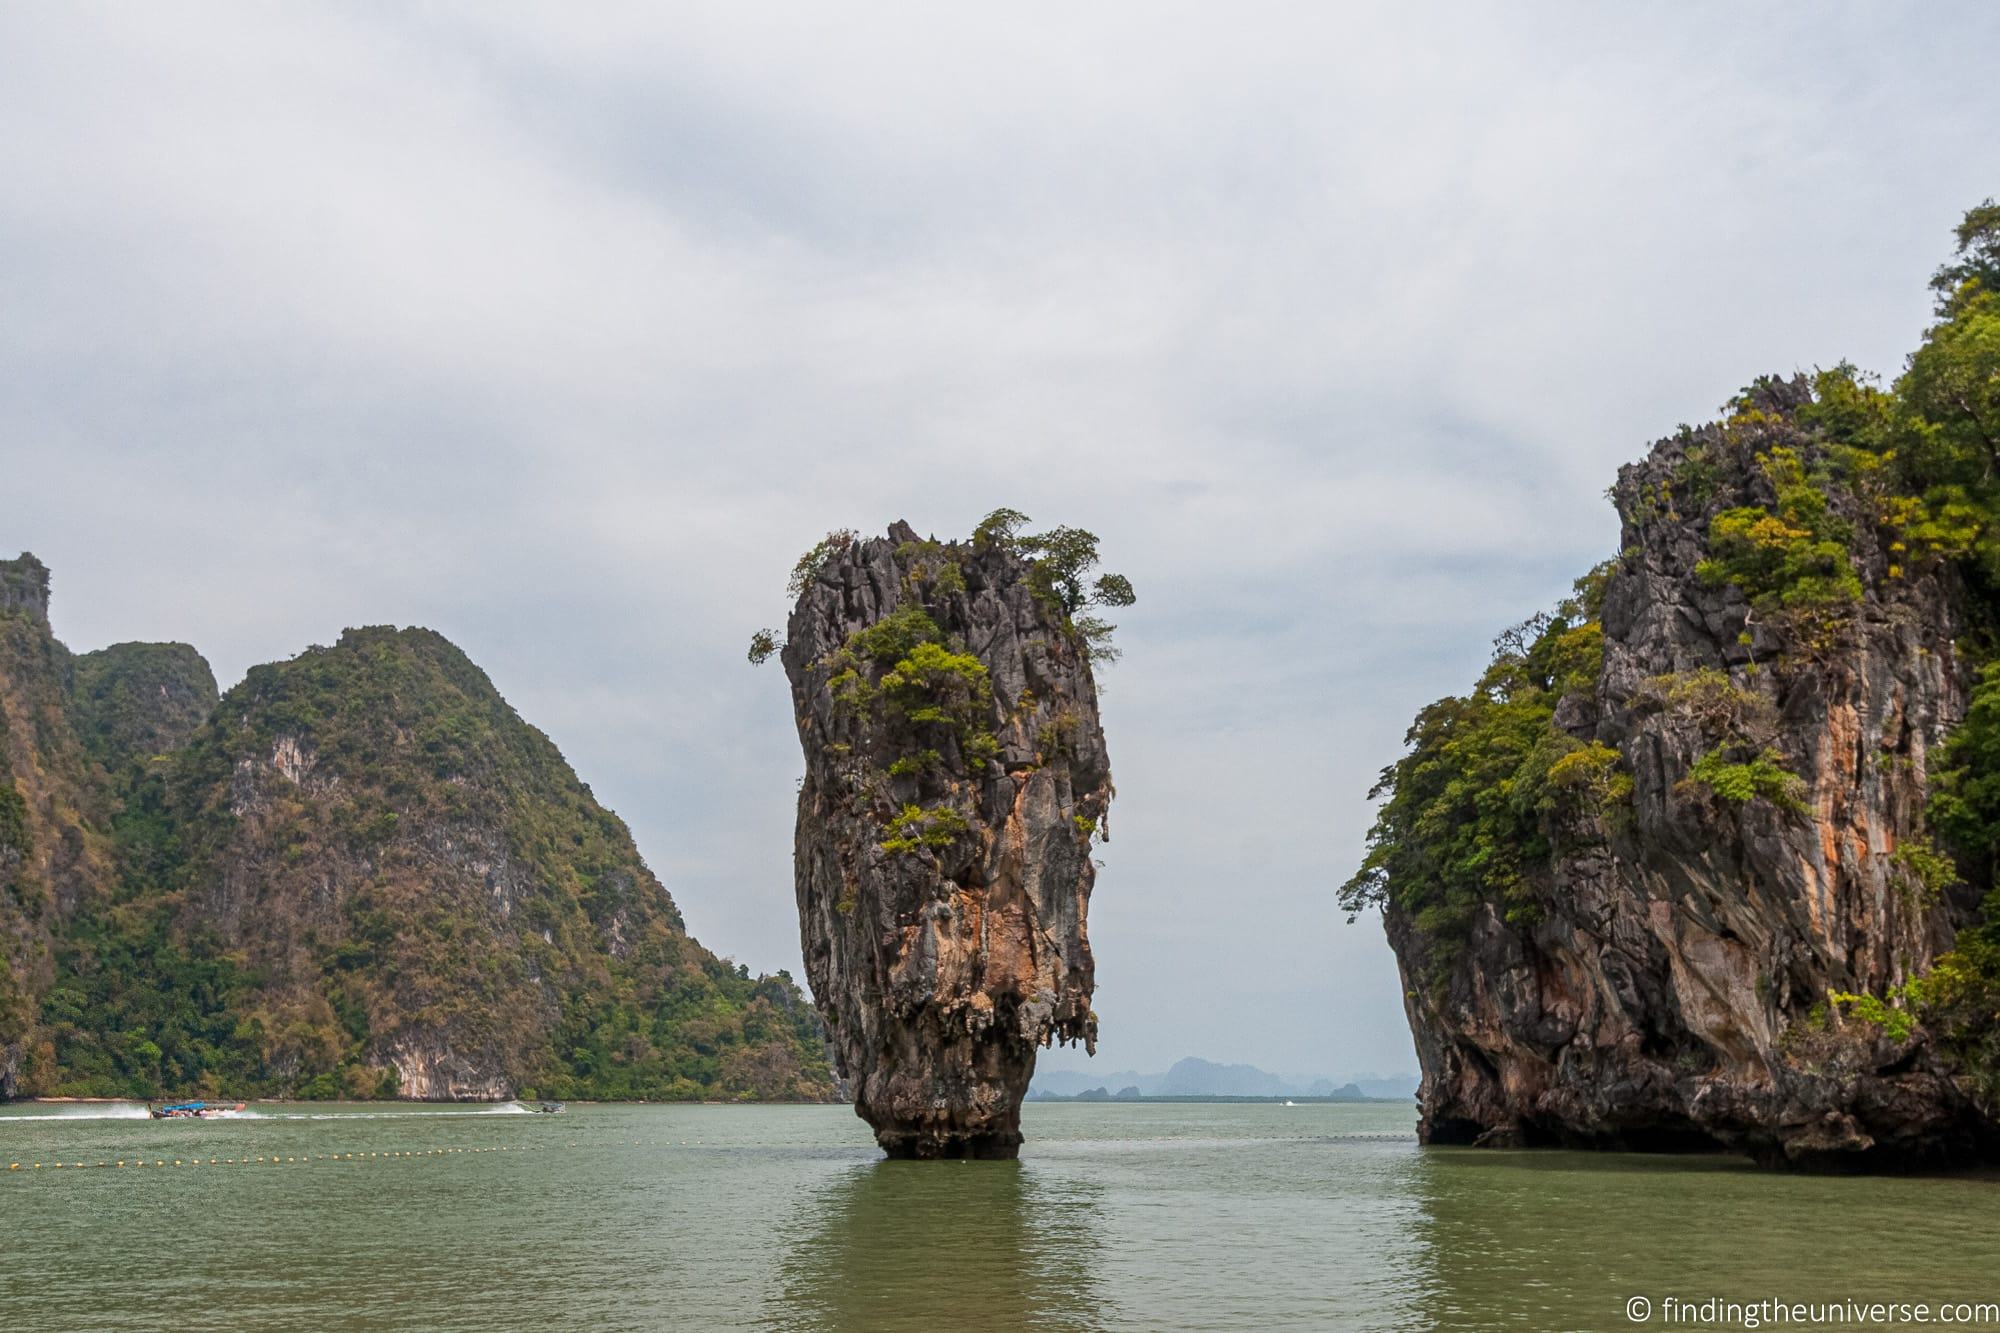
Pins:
x: 193, y: 1110
x: 547, y: 1108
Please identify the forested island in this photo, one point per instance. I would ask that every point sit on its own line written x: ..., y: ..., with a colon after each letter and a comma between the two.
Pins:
x: 1707, y: 856
x: 357, y: 874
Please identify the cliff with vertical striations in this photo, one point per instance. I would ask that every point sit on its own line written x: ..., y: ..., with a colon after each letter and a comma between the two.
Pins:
x: 1656, y: 983
x: 956, y: 777
x: 1707, y: 858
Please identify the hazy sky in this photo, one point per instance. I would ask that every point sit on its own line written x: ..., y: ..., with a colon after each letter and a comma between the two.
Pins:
x: 564, y: 337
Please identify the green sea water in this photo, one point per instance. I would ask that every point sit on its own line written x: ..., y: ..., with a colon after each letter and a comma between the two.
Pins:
x: 779, y: 1217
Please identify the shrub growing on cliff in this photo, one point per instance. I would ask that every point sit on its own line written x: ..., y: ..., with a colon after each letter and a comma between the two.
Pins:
x: 1463, y: 815
x: 998, y: 529
x: 1591, y: 772
x: 1795, y: 557
x: 918, y: 827
x: 1062, y: 561
x: 1711, y: 699
x: 809, y: 565
x: 1958, y: 1001
x: 1896, y: 1022
x: 895, y: 635
x: 1761, y: 776
x: 1927, y: 874
x: 933, y: 686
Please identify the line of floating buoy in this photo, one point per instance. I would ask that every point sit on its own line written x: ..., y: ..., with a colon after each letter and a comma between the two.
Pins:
x: 135, y: 1163
x: 1391, y: 1136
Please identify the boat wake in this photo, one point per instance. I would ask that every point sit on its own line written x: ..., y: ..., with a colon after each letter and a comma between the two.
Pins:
x: 86, y: 1111
x: 402, y: 1112
x: 137, y: 1111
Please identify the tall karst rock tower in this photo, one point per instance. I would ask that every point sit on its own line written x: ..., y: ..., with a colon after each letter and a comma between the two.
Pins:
x: 956, y: 778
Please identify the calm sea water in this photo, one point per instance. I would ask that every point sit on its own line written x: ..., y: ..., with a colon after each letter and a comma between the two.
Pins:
x: 1147, y: 1216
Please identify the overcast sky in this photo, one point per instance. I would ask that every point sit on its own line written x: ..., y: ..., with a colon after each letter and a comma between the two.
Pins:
x: 564, y: 337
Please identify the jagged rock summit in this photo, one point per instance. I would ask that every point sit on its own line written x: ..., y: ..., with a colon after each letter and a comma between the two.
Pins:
x: 956, y: 778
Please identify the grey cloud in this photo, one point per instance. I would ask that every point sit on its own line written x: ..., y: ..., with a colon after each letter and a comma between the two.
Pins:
x: 563, y: 335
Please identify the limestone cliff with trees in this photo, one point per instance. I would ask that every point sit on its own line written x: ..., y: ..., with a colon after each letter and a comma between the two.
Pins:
x: 1707, y: 858
x: 956, y: 781
x: 358, y: 873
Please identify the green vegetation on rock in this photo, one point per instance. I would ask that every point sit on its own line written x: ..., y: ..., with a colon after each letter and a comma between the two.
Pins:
x: 1795, y: 555
x: 137, y: 702
x: 363, y: 871
x: 1760, y: 776
x: 1855, y: 490
x: 928, y: 703
x: 915, y: 827
x: 1061, y: 561
x: 1464, y: 815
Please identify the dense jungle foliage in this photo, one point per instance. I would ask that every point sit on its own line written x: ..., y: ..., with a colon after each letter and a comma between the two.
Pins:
x: 361, y: 857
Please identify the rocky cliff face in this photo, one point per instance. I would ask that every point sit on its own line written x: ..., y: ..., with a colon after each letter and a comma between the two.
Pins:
x: 24, y: 587
x: 1733, y: 833
x: 359, y: 873
x: 428, y: 895
x: 955, y: 777
x: 55, y: 853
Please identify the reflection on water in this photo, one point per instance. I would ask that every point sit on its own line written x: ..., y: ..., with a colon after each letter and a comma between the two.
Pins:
x: 1564, y: 1240
x: 1141, y: 1216
x: 933, y: 1245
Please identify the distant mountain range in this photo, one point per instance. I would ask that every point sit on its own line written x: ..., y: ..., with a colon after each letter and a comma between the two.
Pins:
x: 1195, y: 1077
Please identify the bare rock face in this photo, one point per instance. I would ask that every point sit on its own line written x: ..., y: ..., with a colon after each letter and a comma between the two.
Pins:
x: 24, y: 587
x: 1671, y: 987
x: 955, y: 777
x: 430, y: 1068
